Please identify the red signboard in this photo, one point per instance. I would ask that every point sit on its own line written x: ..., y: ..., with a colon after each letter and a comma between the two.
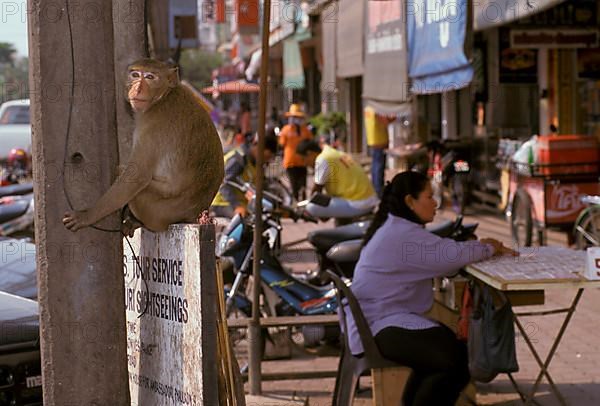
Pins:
x: 247, y: 15
x: 220, y: 11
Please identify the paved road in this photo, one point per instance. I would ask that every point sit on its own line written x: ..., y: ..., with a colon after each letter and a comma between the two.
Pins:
x: 575, y: 368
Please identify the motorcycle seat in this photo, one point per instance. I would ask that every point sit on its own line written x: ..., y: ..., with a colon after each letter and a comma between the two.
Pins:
x: 323, y: 240
x: 346, y: 251
x: 18, y: 189
x: 13, y: 210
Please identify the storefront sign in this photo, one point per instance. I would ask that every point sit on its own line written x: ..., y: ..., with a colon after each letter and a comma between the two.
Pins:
x: 385, y: 76
x: 516, y: 65
x: 170, y: 304
x: 492, y: 13
x: 436, y: 35
x: 183, y: 24
x: 536, y: 39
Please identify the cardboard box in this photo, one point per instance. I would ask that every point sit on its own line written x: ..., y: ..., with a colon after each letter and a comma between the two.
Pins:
x: 567, y: 154
x: 592, y: 264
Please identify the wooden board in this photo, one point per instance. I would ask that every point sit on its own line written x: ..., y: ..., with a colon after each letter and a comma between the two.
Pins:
x: 388, y: 385
x: 171, y: 338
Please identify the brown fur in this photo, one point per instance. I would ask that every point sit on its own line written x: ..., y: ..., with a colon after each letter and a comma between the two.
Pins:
x: 176, y: 163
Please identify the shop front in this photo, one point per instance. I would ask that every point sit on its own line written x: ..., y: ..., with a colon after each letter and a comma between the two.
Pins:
x: 540, y: 75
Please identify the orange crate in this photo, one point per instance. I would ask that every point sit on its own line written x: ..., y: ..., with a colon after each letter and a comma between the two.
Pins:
x: 567, y: 154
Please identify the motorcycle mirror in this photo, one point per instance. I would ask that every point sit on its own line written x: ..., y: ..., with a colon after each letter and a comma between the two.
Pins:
x: 458, y: 221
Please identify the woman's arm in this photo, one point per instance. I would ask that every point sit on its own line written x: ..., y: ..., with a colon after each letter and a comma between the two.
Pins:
x: 433, y: 256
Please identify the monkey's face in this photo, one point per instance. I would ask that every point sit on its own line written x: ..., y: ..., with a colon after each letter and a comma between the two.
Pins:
x: 144, y: 88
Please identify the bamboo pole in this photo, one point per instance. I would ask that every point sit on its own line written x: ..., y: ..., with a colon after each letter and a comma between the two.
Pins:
x: 254, y: 326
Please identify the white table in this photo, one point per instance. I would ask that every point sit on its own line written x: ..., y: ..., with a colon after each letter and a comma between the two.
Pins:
x: 537, y: 268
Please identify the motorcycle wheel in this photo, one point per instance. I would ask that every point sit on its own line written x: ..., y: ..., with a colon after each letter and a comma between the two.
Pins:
x: 459, y: 193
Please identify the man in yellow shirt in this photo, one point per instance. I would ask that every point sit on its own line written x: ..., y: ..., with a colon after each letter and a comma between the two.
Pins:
x: 376, y: 127
x: 342, y: 178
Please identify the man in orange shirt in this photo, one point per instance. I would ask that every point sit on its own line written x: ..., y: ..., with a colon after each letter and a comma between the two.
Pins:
x: 289, y: 138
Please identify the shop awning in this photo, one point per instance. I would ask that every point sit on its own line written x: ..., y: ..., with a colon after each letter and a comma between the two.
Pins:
x: 351, y: 18
x: 293, y: 71
x: 390, y: 109
x: 492, y: 13
x: 437, y: 62
x: 385, y: 78
x: 234, y: 86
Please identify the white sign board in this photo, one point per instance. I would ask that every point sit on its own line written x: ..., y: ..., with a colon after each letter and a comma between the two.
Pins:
x: 170, y: 302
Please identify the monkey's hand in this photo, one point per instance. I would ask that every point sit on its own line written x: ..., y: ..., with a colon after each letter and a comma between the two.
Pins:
x: 76, y: 220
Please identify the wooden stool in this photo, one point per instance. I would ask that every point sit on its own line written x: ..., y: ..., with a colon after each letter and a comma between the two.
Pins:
x: 388, y: 385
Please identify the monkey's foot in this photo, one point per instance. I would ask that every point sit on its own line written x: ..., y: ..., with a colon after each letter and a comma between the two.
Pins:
x: 129, y: 223
x: 204, y: 218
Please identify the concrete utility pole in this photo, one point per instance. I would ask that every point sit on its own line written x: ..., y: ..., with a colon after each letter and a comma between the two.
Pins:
x: 75, y: 154
x: 130, y: 45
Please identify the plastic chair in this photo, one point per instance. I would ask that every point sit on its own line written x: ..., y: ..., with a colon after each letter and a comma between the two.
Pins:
x: 352, y: 367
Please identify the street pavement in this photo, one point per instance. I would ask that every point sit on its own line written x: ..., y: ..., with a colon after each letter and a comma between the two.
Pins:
x: 575, y: 367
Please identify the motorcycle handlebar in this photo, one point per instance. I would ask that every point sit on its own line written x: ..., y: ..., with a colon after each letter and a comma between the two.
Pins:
x: 294, y: 213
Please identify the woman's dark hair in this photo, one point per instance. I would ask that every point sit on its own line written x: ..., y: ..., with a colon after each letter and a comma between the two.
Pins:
x: 392, y: 200
x: 307, y: 145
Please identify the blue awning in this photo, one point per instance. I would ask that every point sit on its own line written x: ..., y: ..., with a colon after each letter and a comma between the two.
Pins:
x: 437, y: 62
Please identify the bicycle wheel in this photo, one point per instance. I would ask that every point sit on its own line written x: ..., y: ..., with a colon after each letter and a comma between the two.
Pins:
x: 587, y: 230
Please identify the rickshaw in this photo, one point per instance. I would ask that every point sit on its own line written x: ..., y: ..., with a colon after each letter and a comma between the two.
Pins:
x: 543, y: 196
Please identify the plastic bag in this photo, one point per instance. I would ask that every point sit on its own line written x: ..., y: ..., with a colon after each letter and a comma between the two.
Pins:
x: 526, y: 155
x: 491, y: 341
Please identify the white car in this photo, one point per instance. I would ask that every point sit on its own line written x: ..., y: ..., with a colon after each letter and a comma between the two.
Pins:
x: 15, y: 127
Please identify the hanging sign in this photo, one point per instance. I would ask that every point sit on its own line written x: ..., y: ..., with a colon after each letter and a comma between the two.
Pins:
x: 385, y: 52
x: 436, y: 36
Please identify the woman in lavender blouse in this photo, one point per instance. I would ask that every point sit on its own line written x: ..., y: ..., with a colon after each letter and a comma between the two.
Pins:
x: 393, y: 284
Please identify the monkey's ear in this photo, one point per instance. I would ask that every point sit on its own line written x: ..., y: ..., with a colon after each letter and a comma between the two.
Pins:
x: 173, y: 77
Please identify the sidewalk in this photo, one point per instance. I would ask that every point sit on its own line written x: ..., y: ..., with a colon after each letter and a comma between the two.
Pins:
x: 575, y: 367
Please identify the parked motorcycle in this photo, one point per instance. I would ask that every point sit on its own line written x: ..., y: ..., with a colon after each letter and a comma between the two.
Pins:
x: 284, y: 294
x: 448, y: 167
x: 17, y: 211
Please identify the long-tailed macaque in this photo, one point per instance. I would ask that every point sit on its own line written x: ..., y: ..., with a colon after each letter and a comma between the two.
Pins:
x: 176, y: 162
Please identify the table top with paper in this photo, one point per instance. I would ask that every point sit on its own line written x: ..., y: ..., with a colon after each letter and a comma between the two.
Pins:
x: 535, y: 268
